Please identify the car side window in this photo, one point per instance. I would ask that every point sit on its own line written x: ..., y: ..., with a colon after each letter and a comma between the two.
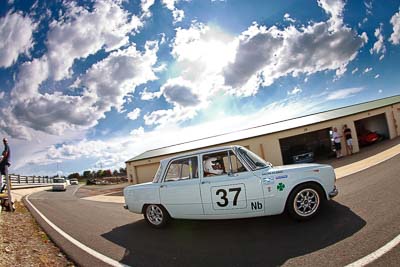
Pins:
x: 221, y: 163
x: 182, y: 169
x: 237, y: 166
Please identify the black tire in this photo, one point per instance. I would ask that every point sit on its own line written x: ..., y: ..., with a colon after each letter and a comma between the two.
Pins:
x: 156, y: 215
x: 305, y: 202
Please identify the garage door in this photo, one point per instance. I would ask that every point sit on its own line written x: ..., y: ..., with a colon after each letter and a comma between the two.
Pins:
x: 371, y: 130
x: 146, y: 173
x: 306, y: 147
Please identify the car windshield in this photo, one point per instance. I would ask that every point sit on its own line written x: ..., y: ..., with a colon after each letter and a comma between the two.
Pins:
x: 253, y: 160
x: 58, y: 180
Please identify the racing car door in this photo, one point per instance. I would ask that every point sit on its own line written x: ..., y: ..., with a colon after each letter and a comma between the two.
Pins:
x: 180, y: 188
x: 228, y: 188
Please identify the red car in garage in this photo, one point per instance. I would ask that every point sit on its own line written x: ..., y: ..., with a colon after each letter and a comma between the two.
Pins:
x: 368, y: 138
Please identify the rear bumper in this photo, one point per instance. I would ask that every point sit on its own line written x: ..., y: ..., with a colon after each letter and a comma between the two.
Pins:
x: 334, y: 192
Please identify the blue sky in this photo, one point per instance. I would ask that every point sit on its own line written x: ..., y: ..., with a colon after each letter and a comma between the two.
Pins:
x: 90, y: 84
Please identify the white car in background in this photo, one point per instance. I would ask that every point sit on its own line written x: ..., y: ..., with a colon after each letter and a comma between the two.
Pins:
x: 59, y: 184
x: 74, y: 181
x: 227, y: 183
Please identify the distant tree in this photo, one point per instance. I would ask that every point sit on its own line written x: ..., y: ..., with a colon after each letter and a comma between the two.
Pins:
x: 122, y: 171
x: 115, y: 173
x: 74, y: 175
x: 87, y: 174
x: 107, y: 173
x: 99, y: 173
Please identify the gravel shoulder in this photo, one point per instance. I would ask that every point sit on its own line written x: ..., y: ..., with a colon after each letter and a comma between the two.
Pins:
x: 24, y: 243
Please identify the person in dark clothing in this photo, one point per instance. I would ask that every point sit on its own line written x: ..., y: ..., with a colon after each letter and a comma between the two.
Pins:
x: 349, y: 139
x: 4, y: 162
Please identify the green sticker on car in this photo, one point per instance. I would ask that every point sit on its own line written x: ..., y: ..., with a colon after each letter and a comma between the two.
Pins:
x: 280, y: 186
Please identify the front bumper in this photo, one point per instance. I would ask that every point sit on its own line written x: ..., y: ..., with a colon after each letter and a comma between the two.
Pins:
x: 334, y: 192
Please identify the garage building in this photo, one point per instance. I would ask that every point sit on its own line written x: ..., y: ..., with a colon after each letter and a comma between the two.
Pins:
x: 282, y: 142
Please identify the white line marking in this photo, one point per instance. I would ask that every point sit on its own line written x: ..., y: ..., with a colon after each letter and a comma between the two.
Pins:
x: 85, y: 248
x: 376, y: 254
x: 76, y: 190
x: 367, y: 167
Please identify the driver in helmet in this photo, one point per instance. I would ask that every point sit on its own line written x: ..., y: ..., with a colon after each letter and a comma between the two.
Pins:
x: 213, y: 166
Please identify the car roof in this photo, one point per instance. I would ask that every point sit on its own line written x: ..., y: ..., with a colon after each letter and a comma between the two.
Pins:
x: 202, y: 151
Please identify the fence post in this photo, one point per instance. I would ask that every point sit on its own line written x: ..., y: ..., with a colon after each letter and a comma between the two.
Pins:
x: 19, y: 178
x: 26, y: 179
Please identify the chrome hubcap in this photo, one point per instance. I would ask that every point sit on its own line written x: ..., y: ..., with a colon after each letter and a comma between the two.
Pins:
x: 306, y: 202
x: 154, y: 214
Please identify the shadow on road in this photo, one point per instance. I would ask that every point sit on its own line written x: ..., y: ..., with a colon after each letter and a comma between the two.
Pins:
x: 265, y: 241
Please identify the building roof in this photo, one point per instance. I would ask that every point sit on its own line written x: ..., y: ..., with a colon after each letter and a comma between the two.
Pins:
x: 268, y: 128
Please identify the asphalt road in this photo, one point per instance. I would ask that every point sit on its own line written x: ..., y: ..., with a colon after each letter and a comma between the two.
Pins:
x: 362, y: 218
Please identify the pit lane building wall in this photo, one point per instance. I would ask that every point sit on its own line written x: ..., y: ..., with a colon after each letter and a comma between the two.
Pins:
x: 264, y: 140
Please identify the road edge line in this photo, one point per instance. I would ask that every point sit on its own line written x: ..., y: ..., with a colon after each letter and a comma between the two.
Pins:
x: 376, y: 254
x: 85, y: 248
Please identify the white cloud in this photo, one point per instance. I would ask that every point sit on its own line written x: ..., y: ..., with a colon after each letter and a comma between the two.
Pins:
x: 266, y: 54
x: 112, y: 153
x: 177, y: 14
x: 287, y: 17
x: 367, y: 70
x: 296, y: 90
x: 335, y: 9
x: 365, y: 20
x: 82, y: 32
x: 16, y: 37
x: 109, y: 80
x: 31, y: 75
x: 169, y: 116
x: 380, y: 91
x: 134, y: 114
x: 2, y: 94
x: 146, y: 5
x: 10, y: 125
x: 180, y: 92
x: 145, y: 95
x: 354, y: 70
x: 137, y: 132
x: 214, y: 62
x: 379, y: 46
x: 201, y: 52
x: 344, y: 93
x: 395, y: 36
x: 377, y: 76
x: 105, y: 85
x: 368, y: 7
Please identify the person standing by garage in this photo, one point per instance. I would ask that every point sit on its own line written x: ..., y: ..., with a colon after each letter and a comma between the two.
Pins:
x: 4, y: 163
x: 336, y: 140
x: 349, y: 139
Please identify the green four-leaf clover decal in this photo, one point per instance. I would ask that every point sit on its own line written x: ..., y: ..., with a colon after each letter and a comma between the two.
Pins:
x: 280, y: 187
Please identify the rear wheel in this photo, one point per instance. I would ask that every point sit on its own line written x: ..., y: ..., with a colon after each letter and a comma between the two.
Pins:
x: 304, y: 202
x: 156, y: 215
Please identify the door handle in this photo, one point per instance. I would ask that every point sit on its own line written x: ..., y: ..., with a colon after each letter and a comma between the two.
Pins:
x: 162, y: 186
x: 205, y: 182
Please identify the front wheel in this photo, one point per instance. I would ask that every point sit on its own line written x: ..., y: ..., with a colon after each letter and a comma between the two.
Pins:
x: 156, y: 215
x: 304, y: 202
